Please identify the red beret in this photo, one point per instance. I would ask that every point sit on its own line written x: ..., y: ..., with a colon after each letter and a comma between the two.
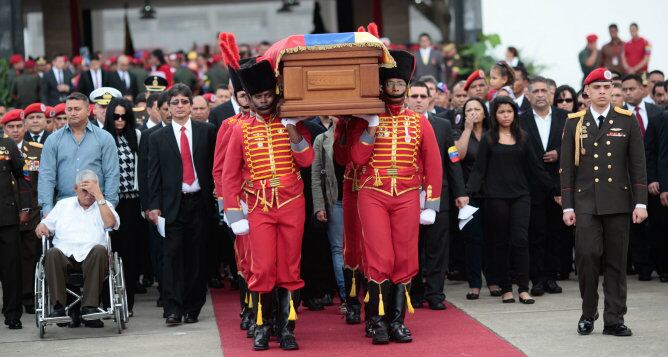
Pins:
x: 591, y: 38
x: 600, y: 74
x: 12, y: 115
x: 210, y: 97
x: 475, y: 75
x: 50, y: 112
x: 59, y: 109
x: 34, y: 108
x: 77, y: 60
x: 15, y: 58
x: 30, y: 64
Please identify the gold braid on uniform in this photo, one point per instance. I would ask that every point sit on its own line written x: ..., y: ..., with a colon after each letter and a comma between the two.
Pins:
x: 578, y: 134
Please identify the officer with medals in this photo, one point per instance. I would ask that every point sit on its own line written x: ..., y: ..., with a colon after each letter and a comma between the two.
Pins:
x: 603, y: 182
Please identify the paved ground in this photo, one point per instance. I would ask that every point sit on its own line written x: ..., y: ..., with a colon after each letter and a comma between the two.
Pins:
x: 546, y: 328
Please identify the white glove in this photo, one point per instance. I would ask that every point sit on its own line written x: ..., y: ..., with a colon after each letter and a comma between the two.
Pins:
x: 372, y: 119
x: 289, y: 121
x: 427, y: 216
x: 240, y: 227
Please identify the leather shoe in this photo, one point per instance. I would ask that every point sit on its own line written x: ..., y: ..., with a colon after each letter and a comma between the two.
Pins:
x: 190, y: 319
x: 538, y: 289
x: 14, y: 324
x: 437, y: 305
x: 663, y: 278
x: 94, y: 323
x: 417, y: 301
x: 472, y: 296
x: 173, y: 319
x: 313, y: 304
x: 58, y: 311
x: 586, y: 325
x: 619, y: 330
x: 400, y: 333
x: 552, y: 287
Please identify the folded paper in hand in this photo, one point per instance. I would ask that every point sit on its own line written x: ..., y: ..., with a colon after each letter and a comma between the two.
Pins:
x: 465, y: 215
x: 161, y: 226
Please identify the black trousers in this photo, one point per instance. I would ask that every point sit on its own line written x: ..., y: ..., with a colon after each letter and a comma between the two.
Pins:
x: 184, y: 271
x: 127, y: 241
x: 506, y: 231
x: 30, y: 248
x: 316, y: 267
x: 545, y: 231
x: 218, y: 245
x: 601, y: 244
x: 648, y: 241
x: 433, y: 244
x: 10, y: 271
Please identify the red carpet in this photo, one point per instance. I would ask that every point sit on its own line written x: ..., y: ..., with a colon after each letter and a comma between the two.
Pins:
x: 324, y: 333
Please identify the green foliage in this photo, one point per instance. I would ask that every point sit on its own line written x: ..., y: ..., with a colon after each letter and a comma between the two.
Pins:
x: 478, y: 55
x: 5, y: 88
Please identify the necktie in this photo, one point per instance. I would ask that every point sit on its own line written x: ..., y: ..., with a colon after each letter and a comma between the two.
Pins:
x: 601, y: 118
x: 60, y: 77
x: 35, y: 138
x: 186, y: 159
x: 95, y: 81
x: 640, y: 121
x: 126, y: 77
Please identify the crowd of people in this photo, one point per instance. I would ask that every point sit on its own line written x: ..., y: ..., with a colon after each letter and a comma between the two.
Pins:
x: 457, y: 179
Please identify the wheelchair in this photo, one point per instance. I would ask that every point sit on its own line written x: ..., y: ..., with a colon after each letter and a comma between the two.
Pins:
x: 118, y: 300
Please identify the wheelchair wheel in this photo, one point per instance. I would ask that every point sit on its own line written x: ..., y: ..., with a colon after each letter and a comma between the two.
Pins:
x: 39, y: 294
x: 124, y: 294
x: 116, y: 276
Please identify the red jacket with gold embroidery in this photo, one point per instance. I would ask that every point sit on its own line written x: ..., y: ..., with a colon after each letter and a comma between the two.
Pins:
x: 402, y: 156
x: 222, y: 138
x: 261, y: 166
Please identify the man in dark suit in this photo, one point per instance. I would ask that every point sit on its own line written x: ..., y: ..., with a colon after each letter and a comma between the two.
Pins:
x: 604, y: 184
x: 95, y: 77
x: 645, y: 237
x: 56, y: 84
x: 546, y: 229
x: 428, y: 60
x: 181, y: 187
x: 659, y: 134
x: 519, y: 87
x: 223, y: 111
x: 124, y: 80
x: 433, y: 242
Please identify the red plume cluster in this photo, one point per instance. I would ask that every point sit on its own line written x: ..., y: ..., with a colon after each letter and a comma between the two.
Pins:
x: 372, y: 28
x: 229, y: 49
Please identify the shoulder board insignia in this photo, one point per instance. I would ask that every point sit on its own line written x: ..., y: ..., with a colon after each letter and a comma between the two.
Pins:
x: 37, y: 145
x: 577, y: 115
x: 623, y: 111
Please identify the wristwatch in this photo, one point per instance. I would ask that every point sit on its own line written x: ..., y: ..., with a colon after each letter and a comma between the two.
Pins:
x: 102, y: 202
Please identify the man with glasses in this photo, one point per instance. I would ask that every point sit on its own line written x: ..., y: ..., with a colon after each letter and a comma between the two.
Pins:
x: 398, y: 156
x: 434, y: 240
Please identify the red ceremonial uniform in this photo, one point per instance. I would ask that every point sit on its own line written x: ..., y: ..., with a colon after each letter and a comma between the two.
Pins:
x: 261, y: 167
x: 402, y: 158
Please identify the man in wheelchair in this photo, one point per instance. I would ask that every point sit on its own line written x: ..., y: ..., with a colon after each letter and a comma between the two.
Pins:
x: 78, y: 227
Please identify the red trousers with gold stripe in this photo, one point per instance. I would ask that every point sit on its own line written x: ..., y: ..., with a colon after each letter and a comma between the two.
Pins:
x: 243, y: 255
x: 276, y: 246
x: 391, y: 226
x: 353, y: 256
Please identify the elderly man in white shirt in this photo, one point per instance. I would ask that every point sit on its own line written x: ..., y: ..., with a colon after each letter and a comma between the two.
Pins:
x: 78, y: 225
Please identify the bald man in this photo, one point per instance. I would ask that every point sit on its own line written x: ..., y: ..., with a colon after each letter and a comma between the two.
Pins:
x: 200, y: 109
x: 124, y: 80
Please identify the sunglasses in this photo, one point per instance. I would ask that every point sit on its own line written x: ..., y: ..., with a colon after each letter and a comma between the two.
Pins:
x: 182, y: 101
x: 564, y: 100
x: 422, y: 96
x: 121, y: 117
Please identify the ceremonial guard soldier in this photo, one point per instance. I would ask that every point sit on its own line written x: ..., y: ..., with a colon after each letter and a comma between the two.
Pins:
x: 31, y: 152
x: 261, y: 168
x: 398, y: 155
x: 603, y: 182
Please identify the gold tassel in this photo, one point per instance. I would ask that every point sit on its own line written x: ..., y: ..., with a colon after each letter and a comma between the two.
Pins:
x: 381, y: 306
x: 258, y: 321
x: 250, y: 301
x: 278, y: 90
x: 366, y: 297
x: 409, y: 305
x: 246, y: 298
x: 408, y: 92
x: 353, y: 290
x: 377, y: 182
x: 293, y: 313
x: 578, y: 141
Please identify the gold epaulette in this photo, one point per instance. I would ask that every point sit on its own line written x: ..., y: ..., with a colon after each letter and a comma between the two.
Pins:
x: 34, y: 144
x: 577, y: 115
x: 623, y: 111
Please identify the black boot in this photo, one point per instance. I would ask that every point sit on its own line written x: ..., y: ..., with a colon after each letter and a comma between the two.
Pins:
x: 352, y: 285
x: 262, y: 307
x: 286, y: 320
x: 368, y: 326
x: 252, y: 301
x: 398, y: 331
x: 245, y: 314
x: 379, y: 301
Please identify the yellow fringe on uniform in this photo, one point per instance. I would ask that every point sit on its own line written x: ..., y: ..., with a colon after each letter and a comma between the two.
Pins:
x: 381, y: 306
x: 578, y: 141
x: 353, y: 290
x: 409, y: 305
x: 293, y: 313
x: 366, y: 297
x: 246, y: 298
x: 258, y: 321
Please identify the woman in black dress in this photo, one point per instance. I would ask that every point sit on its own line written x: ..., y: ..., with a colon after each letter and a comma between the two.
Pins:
x: 505, y: 164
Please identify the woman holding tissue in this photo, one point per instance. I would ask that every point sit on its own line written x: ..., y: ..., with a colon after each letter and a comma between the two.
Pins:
x: 476, y: 121
x: 501, y: 174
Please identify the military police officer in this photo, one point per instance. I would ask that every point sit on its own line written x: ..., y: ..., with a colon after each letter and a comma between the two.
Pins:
x: 603, y: 182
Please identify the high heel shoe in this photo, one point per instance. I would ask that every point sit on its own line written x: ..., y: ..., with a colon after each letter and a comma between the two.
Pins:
x: 472, y: 296
x: 527, y: 301
x: 509, y: 300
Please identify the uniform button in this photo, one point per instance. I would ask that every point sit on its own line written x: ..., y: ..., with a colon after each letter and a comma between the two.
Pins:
x: 609, y: 179
x: 626, y: 188
x: 607, y: 142
x: 595, y: 156
x: 609, y: 154
x: 595, y: 168
x: 595, y: 144
x: 596, y: 179
x: 579, y: 190
x: 609, y: 166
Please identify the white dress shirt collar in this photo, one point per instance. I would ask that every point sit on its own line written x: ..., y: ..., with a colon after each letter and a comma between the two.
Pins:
x: 596, y: 114
x: 543, y: 125
x: 235, y: 105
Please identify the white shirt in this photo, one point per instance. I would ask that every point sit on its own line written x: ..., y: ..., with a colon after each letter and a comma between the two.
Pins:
x: 125, y: 77
x: 424, y: 53
x: 648, y: 99
x: 520, y: 100
x: 596, y: 115
x: 643, y: 112
x: 194, y: 187
x: 59, y: 75
x: 39, y: 136
x: 235, y: 105
x: 97, y: 78
x: 77, y: 230
x: 150, y: 124
x: 20, y: 145
x: 543, y: 125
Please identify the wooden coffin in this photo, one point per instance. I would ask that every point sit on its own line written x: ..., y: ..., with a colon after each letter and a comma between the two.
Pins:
x: 340, y: 81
